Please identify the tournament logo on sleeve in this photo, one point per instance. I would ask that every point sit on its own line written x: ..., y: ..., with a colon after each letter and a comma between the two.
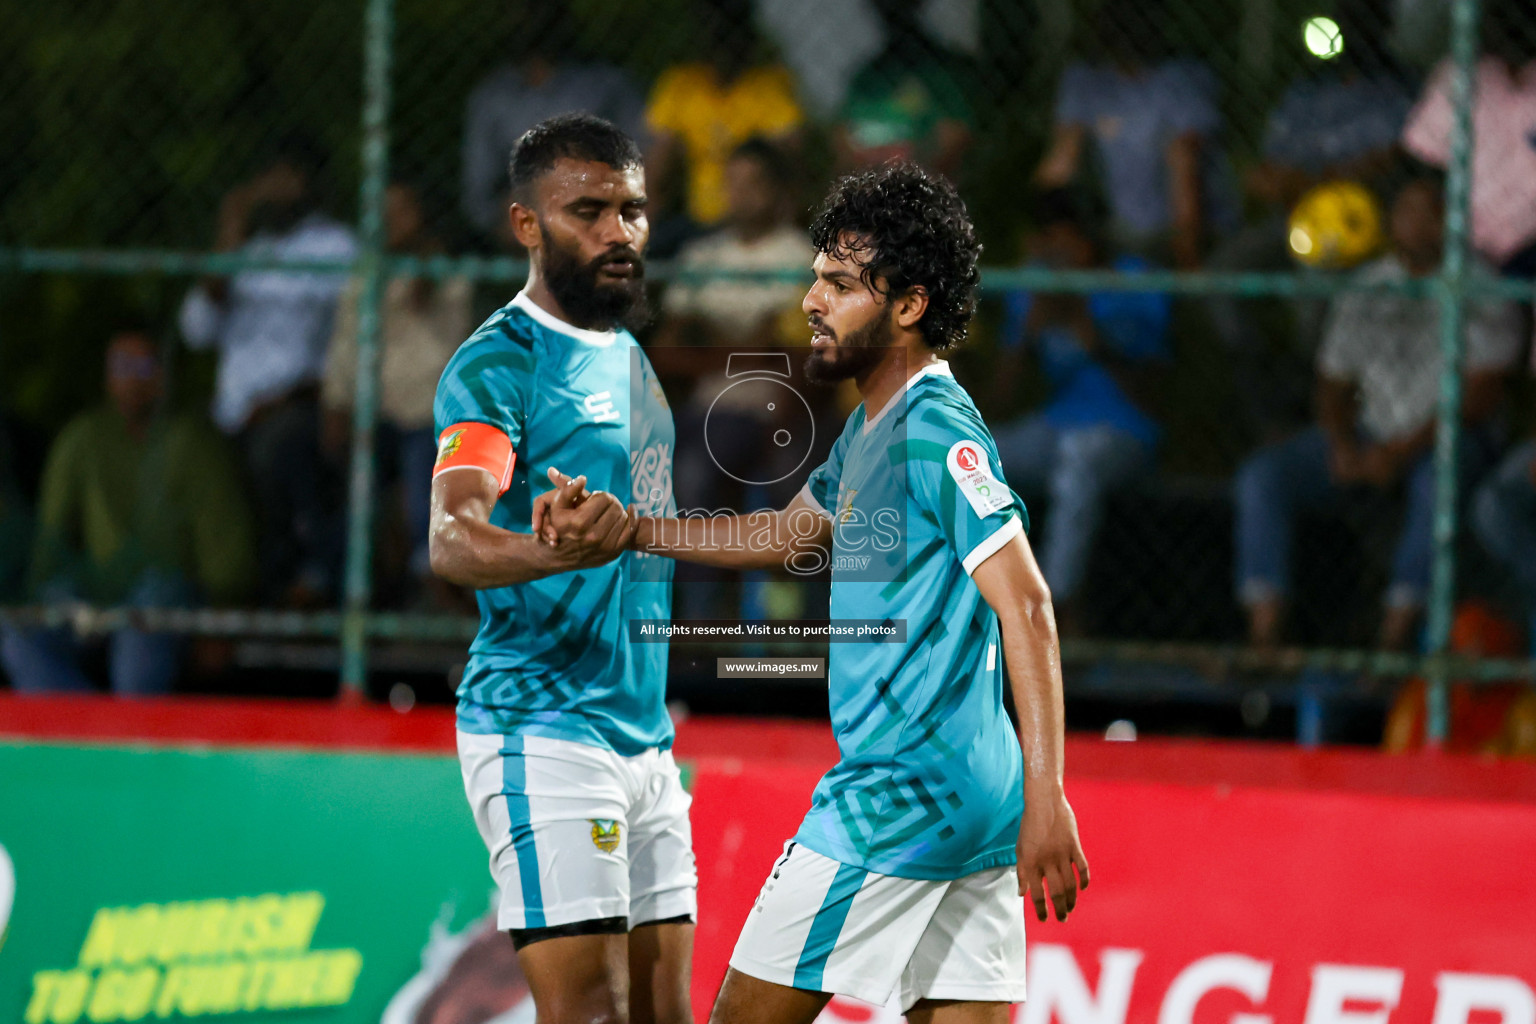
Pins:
x: 972, y: 472
x: 449, y: 447
x: 476, y: 446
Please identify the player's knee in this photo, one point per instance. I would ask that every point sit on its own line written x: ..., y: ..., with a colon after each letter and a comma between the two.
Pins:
x: 733, y: 1004
x: 595, y: 1006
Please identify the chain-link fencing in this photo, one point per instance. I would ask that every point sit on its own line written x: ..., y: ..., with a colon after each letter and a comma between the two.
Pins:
x: 1227, y: 249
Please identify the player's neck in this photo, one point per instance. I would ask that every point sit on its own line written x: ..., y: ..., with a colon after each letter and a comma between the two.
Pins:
x: 901, y: 363
x: 539, y: 294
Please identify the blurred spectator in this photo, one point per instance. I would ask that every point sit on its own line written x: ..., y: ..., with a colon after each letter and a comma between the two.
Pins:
x: 735, y: 315
x: 1098, y: 353
x: 909, y: 101
x: 699, y: 112
x: 824, y: 63
x: 270, y: 328
x: 758, y: 234
x: 1503, y: 137
x: 1341, y: 121
x: 136, y: 509
x: 1378, y: 385
x: 1504, y: 519
x: 422, y: 322
x: 538, y: 81
x: 15, y: 526
x: 1151, y: 124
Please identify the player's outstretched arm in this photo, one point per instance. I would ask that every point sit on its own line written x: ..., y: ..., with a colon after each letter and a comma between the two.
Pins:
x: 758, y: 540
x: 767, y: 539
x: 466, y: 549
x: 1049, y: 849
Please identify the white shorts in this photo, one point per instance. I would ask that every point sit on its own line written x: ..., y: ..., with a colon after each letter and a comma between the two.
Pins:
x: 579, y: 833
x: 829, y: 927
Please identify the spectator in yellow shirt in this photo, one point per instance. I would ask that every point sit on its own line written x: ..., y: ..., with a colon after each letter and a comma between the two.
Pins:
x: 701, y: 111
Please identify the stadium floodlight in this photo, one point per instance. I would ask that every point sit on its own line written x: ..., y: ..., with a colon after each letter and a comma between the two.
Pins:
x: 1323, y: 37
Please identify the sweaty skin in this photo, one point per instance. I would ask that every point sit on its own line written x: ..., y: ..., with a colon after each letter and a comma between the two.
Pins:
x: 588, y: 210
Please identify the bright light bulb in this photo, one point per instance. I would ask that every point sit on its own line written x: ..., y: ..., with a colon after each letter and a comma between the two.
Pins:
x: 1323, y: 37
x: 1301, y: 242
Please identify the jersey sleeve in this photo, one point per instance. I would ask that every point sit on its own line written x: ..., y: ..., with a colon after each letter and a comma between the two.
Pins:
x: 953, y: 476
x: 481, y: 409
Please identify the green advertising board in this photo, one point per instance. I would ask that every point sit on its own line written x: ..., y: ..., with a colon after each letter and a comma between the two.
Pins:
x: 242, y: 885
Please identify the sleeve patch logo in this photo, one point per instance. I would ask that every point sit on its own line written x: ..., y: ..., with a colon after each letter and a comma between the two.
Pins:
x: 972, y: 472
x: 449, y: 446
x: 605, y: 834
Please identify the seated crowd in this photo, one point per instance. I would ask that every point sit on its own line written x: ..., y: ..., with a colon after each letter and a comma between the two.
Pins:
x: 141, y: 505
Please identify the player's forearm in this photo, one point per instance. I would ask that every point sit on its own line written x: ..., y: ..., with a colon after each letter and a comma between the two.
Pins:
x: 1032, y: 654
x: 479, y: 555
x: 755, y: 541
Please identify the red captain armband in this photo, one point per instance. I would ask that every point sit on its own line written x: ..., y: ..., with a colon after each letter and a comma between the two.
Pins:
x: 476, y: 446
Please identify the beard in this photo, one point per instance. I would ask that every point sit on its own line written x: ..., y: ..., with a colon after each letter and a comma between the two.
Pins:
x: 592, y: 304
x: 851, y: 356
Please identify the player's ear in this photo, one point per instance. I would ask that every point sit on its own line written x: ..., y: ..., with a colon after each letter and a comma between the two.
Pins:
x: 910, y: 306
x: 525, y: 225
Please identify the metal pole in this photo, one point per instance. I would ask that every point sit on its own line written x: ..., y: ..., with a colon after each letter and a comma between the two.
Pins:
x: 1453, y: 273
x: 378, y: 30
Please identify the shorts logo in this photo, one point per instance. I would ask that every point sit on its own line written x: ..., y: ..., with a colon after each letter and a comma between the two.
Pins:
x: 605, y: 834
x: 450, y: 446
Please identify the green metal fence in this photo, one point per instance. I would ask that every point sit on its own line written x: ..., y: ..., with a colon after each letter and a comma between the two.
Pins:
x: 128, y: 122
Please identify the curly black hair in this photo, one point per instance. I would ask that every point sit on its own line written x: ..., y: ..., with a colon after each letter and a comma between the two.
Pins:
x: 906, y: 228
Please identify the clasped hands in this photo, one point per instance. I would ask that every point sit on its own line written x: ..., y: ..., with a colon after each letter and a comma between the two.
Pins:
x: 582, y: 528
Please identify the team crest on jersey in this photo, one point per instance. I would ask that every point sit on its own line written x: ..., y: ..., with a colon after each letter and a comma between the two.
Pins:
x: 605, y: 834
x: 449, y: 446
x: 847, y: 509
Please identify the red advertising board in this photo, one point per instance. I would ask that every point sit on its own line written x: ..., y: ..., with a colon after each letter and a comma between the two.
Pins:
x: 1233, y: 883
x: 1317, y: 888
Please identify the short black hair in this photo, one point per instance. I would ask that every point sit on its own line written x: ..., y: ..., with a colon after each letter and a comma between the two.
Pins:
x: 768, y: 155
x: 300, y: 151
x: 909, y: 227
x: 571, y: 137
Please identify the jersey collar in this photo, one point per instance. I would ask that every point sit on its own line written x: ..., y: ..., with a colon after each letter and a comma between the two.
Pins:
x: 938, y: 368
x: 599, y: 339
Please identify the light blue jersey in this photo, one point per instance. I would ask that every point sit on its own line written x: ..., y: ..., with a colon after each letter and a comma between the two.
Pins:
x: 553, y: 657
x: 930, y: 781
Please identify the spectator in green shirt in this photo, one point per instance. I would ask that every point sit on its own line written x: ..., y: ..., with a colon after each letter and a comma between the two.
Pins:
x: 136, y: 509
x: 909, y: 102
